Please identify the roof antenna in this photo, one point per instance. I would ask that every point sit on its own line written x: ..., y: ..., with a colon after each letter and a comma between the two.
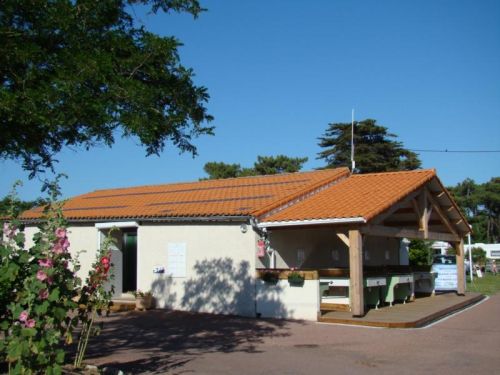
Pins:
x: 353, y: 163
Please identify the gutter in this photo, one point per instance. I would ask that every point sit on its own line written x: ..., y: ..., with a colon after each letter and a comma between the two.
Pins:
x: 296, y: 223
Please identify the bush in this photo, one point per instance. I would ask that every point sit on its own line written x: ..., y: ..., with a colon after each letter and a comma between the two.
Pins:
x: 39, y: 286
x: 296, y: 278
x: 40, y: 293
x: 420, y: 253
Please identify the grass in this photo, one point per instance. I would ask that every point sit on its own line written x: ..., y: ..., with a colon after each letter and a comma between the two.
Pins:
x: 488, y: 284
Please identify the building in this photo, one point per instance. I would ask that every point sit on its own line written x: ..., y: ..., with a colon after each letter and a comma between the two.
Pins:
x: 492, y: 249
x: 208, y: 246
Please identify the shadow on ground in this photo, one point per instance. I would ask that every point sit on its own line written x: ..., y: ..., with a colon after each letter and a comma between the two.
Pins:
x: 160, y: 340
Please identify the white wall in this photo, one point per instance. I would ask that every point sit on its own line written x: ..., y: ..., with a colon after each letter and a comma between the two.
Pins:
x: 220, y: 270
x: 282, y: 300
x: 220, y: 267
x: 83, y: 243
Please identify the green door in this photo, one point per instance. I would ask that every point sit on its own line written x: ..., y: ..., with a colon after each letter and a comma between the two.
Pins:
x: 129, y: 261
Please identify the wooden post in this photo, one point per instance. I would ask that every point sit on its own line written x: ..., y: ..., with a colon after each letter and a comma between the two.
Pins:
x: 356, y: 272
x: 459, y: 248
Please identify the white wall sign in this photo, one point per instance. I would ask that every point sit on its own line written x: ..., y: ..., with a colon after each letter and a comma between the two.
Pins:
x: 176, y: 259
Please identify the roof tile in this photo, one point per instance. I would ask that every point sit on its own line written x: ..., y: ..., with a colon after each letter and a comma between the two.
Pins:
x: 243, y: 196
x: 363, y: 195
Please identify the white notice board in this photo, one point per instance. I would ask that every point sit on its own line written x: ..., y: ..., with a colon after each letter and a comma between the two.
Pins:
x: 176, y: 259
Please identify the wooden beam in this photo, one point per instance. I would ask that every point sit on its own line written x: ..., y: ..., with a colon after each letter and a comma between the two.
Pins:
x: 441, y: 214
x: 424, y: 213
x: 459, y: 249
x: 356, y: 273
x: 343, y: 238
x: 384, y: 215
x: 416, y: 208
x: 384, y: 231
x: 407, y: 223
x: 438, y: 194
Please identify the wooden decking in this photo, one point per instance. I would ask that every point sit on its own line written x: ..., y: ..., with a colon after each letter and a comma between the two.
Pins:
x: 414, y: 314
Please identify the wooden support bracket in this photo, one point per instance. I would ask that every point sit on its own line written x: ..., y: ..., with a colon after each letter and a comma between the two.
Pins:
x: 343, y: 238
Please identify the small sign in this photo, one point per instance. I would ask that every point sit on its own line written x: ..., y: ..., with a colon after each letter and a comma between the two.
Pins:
x: 176, y: 259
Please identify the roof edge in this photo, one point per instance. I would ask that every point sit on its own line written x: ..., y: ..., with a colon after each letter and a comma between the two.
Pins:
x: 296, y: 223
x: 152, y: 219
x: 454, y: 204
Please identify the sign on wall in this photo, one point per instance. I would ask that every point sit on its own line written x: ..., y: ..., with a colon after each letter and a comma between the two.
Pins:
x: 176, y: 260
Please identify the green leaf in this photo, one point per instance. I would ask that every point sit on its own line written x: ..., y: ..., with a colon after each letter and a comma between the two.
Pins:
x: 28, y: 332
x: 14, y: 351
x: 60, y: 356
x: 54, y: 295
x: 4, y: 325
x: 42, y: 308
x: 59, y: 313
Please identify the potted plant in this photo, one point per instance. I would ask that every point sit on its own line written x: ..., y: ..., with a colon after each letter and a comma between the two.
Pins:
x: 270, y: 277
x: 296, y: 278
x: 143, y: 300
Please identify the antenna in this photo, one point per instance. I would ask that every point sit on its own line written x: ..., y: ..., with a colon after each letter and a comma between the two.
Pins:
x: 353, y: 163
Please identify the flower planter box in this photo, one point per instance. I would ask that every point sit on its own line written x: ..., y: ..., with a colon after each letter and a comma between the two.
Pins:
x: 143, y: 303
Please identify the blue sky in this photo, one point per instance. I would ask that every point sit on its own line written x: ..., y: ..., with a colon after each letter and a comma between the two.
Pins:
x: 279, y: 71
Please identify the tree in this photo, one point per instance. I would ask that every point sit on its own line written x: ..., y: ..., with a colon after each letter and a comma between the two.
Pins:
x: 263, y: 166
x: 478, y: 255
x: 375, y: 151
x: 490, y: 197
x: 80, y: 73
x: 277, y: 164
x: 217, y: 170
x: 481, y: 205
x: 7, y: 205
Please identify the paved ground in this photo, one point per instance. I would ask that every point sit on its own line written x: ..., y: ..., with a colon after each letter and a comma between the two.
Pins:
x: 178, y: 343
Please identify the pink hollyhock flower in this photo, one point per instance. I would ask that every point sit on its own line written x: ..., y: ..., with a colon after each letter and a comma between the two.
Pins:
x: 65, y: 244
x: 30, y: 323
x: 23, y: 316
x: 58, y: 249
x: 50, y: 280
x: 43, y: 294
x: 40, y: 275
x: 60, y: 233
x: 45, y: 263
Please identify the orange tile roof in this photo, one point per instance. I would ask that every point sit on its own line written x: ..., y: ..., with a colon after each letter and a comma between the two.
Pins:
x: 362, y: 195
x: 243, y: 196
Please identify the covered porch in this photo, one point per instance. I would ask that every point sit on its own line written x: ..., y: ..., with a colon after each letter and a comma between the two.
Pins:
x: 349, y: 242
